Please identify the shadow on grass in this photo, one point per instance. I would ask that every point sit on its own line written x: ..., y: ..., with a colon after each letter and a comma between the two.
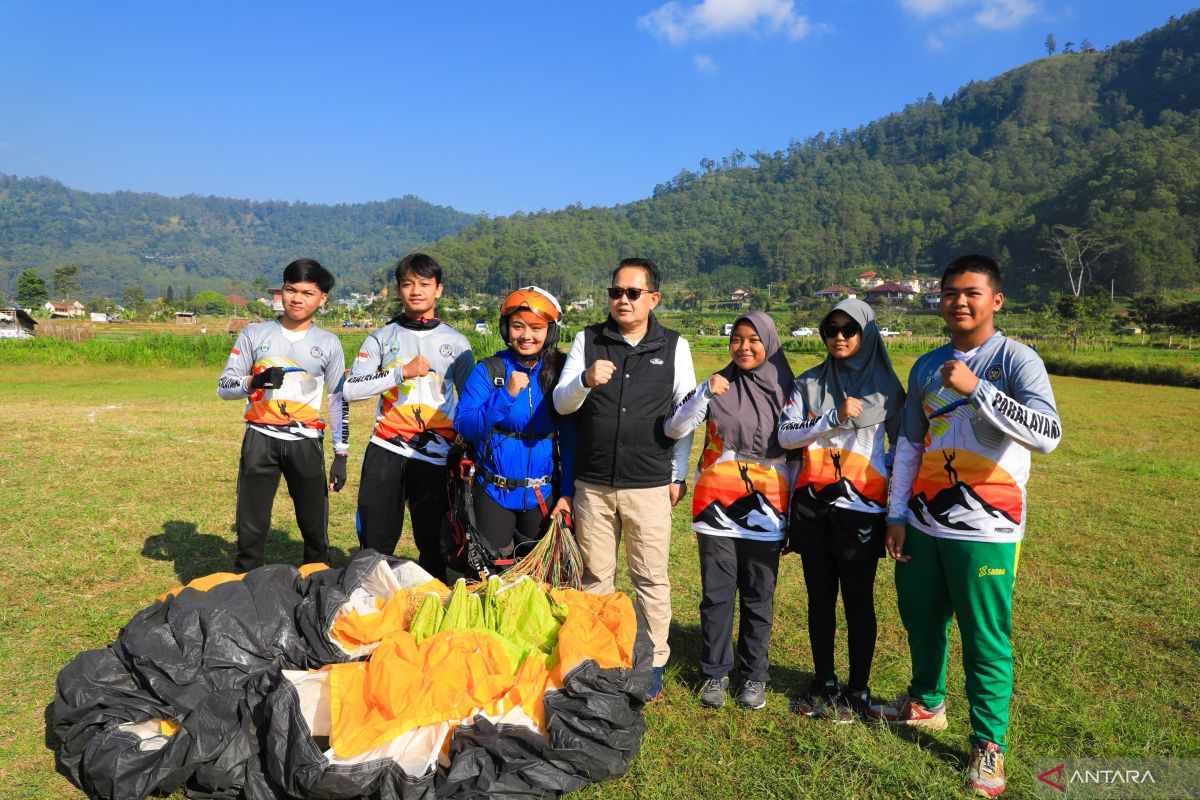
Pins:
x: 196, y: 554
x: 684, y: 666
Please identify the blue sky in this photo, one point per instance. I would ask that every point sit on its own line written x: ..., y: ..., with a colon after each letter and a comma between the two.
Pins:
x: 497, y: 106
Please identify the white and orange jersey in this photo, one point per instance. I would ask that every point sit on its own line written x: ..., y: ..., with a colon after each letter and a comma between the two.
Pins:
x: 313, y: 363
x: 415, y: 417
x: 736, y: 495
x: 963, y: 460
x: 843, y: 466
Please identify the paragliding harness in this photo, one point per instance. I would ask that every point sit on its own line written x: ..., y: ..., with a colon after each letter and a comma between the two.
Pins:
x: 464, y: 546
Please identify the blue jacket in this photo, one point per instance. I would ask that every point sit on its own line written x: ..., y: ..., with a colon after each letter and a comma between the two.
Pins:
x: 484, y: 406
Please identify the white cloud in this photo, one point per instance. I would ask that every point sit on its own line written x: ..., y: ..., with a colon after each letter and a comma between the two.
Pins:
x: 1005, y: 14
x: 678, y: 23
x: 929, y: 8
x: 992, y: 15
x: 704, y: 63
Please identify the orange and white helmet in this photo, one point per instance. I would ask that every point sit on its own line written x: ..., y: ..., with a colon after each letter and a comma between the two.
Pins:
x: 536, y: 301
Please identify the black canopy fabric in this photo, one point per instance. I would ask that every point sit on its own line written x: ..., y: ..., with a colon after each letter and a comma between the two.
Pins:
x: 194, y: 694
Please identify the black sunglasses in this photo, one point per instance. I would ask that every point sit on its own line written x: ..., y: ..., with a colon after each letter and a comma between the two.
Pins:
x: 615, y: 293
x: 847, y: 331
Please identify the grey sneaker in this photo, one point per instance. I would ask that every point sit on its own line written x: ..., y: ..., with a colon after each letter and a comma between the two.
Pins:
x: 712, y: 692
x: 753, y: 694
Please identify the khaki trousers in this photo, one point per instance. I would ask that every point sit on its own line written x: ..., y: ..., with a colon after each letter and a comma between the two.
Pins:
x: 602, y: 515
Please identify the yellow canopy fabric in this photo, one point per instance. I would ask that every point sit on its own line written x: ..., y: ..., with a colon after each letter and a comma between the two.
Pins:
x: 465, y: 668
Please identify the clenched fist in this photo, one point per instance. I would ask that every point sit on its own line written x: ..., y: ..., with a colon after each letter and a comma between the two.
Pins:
x: 718, y: 384
x: 958, y: 376
x: 600, y: 373
x: 850, y: 408
x: 416, y: 368
x: 516, y: 382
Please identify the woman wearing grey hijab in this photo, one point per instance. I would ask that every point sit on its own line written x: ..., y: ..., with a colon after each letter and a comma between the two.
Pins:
x: 838, y: 413
x: 740, y: 505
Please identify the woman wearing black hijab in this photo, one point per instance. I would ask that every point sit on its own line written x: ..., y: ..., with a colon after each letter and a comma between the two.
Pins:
x: 839, y: 412
x: 739, y: 508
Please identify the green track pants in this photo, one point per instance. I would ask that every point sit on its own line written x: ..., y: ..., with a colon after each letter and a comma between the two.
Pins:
x: 973, y: 581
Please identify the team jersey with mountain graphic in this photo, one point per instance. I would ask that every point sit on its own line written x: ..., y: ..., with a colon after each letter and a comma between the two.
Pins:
x: 312, y: 362
x: 963, y: 460
x: 736, y: 495
x: 843, y: 466
x: 415, y: 417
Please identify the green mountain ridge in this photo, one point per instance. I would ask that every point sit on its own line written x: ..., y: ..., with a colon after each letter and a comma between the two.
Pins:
x: 127, y: 239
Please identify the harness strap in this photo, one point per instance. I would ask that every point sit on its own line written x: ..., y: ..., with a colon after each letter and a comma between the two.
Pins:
x: 515, y: 483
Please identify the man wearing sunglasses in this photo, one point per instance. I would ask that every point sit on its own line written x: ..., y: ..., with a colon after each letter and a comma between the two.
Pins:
x: 622, y: 377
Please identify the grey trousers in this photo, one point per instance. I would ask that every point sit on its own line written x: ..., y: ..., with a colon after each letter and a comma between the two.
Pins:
x: 747, y: 568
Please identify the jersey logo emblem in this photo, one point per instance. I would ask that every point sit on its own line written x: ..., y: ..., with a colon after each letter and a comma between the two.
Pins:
x: 393, y: 348
x: 993, y: 373
x: 446, y: 350
x: 315, y: 352
x: 265, y: 346
x: 658, y: 362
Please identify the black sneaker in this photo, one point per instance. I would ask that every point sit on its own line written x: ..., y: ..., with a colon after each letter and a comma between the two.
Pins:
x: 712, y: 692
x: 847, y: 706
x: 821, y: 692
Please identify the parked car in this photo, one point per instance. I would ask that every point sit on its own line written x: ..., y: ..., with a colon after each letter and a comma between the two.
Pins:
x: 802, y: 332
x: 888, y: 332
x: 481, y: 327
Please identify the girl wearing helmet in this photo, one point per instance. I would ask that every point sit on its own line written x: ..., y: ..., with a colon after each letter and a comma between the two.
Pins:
x: 524, y: 451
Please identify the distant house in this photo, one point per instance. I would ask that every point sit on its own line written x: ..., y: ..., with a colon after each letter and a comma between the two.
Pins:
x: 868, y: 279
x: 99, y: 316
x: 835, y: 292
x: 185, y: 317
x: 582, y: 303
x: 277, y: 300
x: 67, y: 309
x: 16, y: 324
x: 913, y: 283
x: 931, y: 299
x: 236, y: 300
x: 930, y: 284
x: 888, y: 291
x: 740, y: 295
x: 235, y: 325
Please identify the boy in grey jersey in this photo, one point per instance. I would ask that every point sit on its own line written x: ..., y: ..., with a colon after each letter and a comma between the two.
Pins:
x: 416, y: 365
x: 280, y: 369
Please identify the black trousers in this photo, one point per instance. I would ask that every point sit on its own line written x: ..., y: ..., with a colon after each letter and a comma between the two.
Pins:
x: 748, y: 568
x: 823, y: 574
x: 505, y: 528
x: 302, y: 464
x: 389, y: 482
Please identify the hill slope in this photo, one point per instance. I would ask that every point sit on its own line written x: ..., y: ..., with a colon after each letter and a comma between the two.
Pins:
x: 148, y: 240
x: 1110, y: 141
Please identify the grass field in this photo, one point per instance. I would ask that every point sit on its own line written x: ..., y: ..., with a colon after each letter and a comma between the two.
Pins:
x: 118, y: 483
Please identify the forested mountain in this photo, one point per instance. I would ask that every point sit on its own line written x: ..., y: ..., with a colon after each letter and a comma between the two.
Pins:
x: 128, y: 239
x: 1107, y: 141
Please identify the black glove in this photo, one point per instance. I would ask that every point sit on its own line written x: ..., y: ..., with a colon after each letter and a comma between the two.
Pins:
x: 337, y: 473
x: 269, y: 378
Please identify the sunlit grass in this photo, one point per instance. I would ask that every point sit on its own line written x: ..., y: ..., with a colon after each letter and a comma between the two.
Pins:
x: 118, y: 483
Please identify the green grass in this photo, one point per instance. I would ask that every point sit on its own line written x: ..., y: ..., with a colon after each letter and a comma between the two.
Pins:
x: 119, y: 484
x: 167, y: 349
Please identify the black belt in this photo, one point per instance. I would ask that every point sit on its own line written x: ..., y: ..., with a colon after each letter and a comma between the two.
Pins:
x: 522, y: 436
x: 514, y: 483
